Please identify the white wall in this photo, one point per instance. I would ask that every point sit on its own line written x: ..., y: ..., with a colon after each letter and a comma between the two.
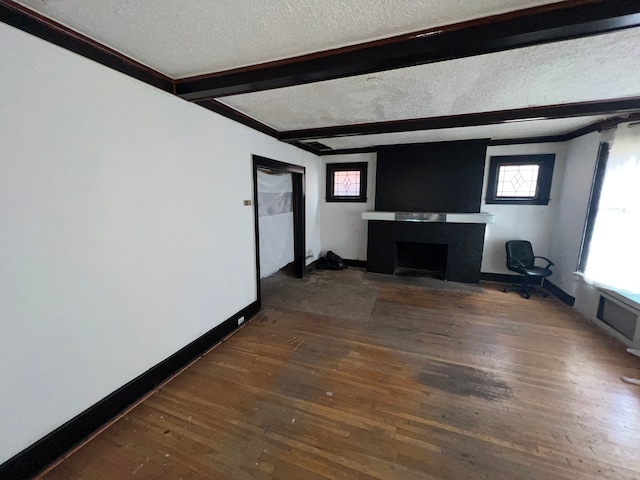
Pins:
x: 123, y: 235
x: 569, y: 223
x: 570, y: 218
x: 568, y: 228
x: 343, y: 230
x: 521, y: 222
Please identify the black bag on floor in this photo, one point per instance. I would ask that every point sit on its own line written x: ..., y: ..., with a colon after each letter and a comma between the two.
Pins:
x: 333, y: 261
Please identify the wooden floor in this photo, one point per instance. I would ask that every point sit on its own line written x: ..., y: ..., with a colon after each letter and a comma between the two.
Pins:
x: 354, y: 376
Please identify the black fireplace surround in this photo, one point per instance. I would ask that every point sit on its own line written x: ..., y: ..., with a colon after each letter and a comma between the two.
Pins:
x: 464, y: 246
x: 436, y: 177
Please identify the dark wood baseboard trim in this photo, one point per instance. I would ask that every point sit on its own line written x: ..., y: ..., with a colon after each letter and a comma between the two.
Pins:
x: 503, y: 278
x: 355, y: 263
x: 48, y: 449
x: 557, y: 292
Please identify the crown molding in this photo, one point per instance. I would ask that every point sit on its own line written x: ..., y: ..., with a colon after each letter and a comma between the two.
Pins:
x: 42, y: 27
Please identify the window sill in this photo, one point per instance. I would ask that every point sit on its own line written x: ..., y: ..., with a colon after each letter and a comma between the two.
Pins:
x: 511, y: 201
x: 630, y: 299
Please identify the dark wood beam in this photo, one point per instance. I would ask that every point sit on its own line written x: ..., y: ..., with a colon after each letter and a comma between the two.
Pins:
x: 236, y: 116
x: 528, y: 140
x: 35, y: 24
x: 569, y: 110
x: 533, y: 26
x: 492, y: 143
x: 614, y: 122
x: 589, y: 18
x: 40, y: 26
x: 350, y: 151
x: 308, y: 148
x: 593, y: 127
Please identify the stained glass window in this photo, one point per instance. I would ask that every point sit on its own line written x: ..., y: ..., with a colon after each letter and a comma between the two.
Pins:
x: 517, y: 180
x: 347, y: 182
x: 520, y: 179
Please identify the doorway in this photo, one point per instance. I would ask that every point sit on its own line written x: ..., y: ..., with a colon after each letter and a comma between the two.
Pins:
x: 297, y: 206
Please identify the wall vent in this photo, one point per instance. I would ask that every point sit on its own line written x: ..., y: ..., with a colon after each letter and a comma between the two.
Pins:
x: 621, y: 316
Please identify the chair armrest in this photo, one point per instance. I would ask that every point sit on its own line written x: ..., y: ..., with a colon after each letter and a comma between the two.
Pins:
x: 547, y: 260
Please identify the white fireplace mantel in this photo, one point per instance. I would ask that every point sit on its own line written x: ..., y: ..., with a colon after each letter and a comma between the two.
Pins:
x: 441, y: 217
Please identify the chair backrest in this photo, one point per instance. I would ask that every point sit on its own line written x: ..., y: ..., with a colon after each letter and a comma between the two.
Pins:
x: 520, y: 250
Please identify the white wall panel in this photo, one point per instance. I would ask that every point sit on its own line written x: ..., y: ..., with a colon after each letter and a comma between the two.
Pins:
x: 569, y: 221
x: 343, y: 230
x: 123, y: 234
x: 521, y: 222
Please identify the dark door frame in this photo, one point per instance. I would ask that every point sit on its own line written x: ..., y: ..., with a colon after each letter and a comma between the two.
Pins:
x: 299, y: 241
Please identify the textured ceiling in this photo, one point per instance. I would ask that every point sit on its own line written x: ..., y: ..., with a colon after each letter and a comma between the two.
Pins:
x: 188, y: 37
x: 181, y: 38
x: 534, y: 128
x: 591, y: 68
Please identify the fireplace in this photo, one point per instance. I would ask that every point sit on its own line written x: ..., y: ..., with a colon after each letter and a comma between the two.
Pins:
x: 462, y: 242
x: 421, y: 259
x: 427, y: 218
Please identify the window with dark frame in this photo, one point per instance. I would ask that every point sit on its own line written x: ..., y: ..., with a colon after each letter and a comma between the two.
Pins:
x: 347, y: 182
x: 520, y: 179
x: 594, y: 200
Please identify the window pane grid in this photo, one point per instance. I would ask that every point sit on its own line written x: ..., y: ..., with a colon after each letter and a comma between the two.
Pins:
x: 346, y: 183
x: 517, y: 180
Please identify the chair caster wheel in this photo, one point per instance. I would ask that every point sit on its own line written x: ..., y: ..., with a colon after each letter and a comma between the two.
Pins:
x: 527, y: 296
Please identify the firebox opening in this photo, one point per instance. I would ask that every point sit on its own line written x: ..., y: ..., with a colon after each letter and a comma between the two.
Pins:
x: 421, y: 259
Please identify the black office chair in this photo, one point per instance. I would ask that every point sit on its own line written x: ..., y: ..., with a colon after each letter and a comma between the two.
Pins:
x: 520, y: 259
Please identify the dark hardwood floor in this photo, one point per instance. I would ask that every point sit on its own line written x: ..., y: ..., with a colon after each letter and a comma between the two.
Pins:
x: 356, y: 376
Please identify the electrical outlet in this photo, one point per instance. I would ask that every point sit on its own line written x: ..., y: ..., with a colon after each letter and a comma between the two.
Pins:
x: 246, y: 203
x: 241, y: 320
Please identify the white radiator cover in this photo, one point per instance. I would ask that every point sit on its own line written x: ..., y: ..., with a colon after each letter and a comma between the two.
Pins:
x: 620, y: 314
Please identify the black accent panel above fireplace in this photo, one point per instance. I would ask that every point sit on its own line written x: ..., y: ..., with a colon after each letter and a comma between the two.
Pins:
x: 431, y: 177
x: 464, y: 243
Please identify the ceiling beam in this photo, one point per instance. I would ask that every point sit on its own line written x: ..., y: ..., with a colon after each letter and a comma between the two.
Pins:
x: 593, y: 127
x: 233, y: 114
x: 546, y: 112
x: 522, y: 28
x: 31, y: 22
x: 236, y: 116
